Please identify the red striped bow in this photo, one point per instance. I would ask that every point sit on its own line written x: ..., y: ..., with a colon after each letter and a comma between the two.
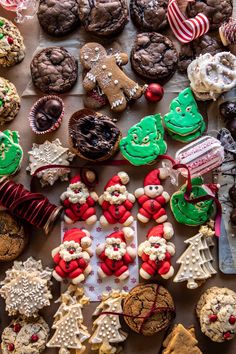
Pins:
x: 186, y: 30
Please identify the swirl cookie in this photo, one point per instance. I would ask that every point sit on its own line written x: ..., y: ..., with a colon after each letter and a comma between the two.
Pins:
x: 216, y: 310
x: 57, y: 17
x: 11, y: 153
x: 93, y: 136
x: 103, y: 18
x: 9, y: 101
x: 12, y: 48
x: 154, y: 57
x: 24, y: 336
x: 149, y: 15
x: 54, y: 70
x: 184, y: 122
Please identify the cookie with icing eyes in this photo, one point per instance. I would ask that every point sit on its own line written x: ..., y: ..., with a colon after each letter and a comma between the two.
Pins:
x: 11, y: 153
x: 144, y: 141
x: 184, y: 122
x: 192, y: 214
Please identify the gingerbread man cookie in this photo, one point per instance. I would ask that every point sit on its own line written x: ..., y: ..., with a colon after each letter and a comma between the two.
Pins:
x: 104, y: 71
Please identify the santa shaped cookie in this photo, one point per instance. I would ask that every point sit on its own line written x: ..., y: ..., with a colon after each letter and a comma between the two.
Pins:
x: 156, y: 252
x: 152, y: 197
x: 115, y: 255
x: 116, y: 201
x: 79, y: 201
x: 72, y: 257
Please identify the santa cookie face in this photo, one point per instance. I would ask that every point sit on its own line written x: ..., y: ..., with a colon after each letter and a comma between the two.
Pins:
x: 70, y: 250
x: 77, y: 193
x: 153, y: 191
x: 155, y: 248
x: 116, y: 194
x: 115, y: 248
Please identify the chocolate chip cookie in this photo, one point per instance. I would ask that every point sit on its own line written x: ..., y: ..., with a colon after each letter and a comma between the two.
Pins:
x: 103, y: 17
x: 154, y: 57
x: 149, y: 15
x: 217, y: 11
x: 12, y: 237
x: 54, y: 70
x: 57, y: 17
x: 150, y: 307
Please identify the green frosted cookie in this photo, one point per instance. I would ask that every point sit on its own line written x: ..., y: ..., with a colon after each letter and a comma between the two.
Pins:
x: 191, y: 214
x: 144, y: 141
x: 184, y: 122
x: 11, y: 153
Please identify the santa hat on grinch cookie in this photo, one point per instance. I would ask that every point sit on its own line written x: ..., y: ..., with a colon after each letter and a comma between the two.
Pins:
x: 124, y: 235
x: 164, y: 230
x: 154, y: 177
x: 121, y: 179
x: 80, y: 236
x: 211, y: 189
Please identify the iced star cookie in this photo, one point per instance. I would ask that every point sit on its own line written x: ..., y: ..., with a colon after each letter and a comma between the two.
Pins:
x: 24, y: 336
x: 144, y: 141
x: 9, y: 101
x: 11, y: 153
x: 105, y: 72
x: 184, y: 122
x: 12, y: 49
x: 192, y: 214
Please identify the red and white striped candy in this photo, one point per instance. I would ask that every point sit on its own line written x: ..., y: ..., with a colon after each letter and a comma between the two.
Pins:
x: 186, y: 30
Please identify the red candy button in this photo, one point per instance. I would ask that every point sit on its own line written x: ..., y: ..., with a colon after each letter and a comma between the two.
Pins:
x: 17, y: 328
x: 213, y: 318
x: 227, y: 335
x: 34, y: 338
x: 10, y: 40
x: 10, y: 347
x: 232, y: 320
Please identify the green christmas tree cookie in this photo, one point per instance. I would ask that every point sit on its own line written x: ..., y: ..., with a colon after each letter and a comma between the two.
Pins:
x: 144, y: 141
x: 184, y: 122
x: 11, y: 153
x: 191, y: 214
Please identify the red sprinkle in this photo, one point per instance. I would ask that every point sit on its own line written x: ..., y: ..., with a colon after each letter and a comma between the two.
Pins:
x: 232, y: 319
x: 227, y: 335
x: 10, y: 40
x: 213, y: 318
x: 17, y: 328
x: 34, y: 338
x: 10, y: 347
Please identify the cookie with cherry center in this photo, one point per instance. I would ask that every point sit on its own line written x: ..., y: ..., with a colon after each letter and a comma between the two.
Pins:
x: 46, y: 114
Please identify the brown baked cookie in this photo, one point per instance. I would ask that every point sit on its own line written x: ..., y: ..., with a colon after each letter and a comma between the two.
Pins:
x: 57, y: 17
x: 217, y: 11
x: 54, y: 70
x: 154, y: 57
x: 12, y: 237
x: 149, y: 15
x: 103, y: 17
x: 145, y: 298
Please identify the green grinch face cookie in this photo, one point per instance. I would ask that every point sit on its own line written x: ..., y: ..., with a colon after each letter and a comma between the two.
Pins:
x: 191, y: 214
x: 184, y: 122
x: 144, y: 141
x: 11, y: 153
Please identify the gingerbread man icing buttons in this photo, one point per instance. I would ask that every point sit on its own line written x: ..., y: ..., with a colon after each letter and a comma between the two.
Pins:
x: 11, y: 153
x: 104, y: 71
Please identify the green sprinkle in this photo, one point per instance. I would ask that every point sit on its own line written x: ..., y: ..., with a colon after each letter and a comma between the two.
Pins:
x: 1, y: 35
x: 1, y: 23
x: 1, y: 103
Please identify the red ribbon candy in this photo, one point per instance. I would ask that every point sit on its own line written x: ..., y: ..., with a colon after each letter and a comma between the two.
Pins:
x: 184, y: 29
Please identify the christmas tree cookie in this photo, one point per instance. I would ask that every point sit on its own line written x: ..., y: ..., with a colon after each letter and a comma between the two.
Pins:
x: 144, y: 141
x: 11, y: 153
x: 184, y: 122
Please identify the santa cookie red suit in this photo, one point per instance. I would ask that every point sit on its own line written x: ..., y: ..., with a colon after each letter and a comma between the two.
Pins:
x: 156, y: 252
x: 72, y: 257
x: 115, y: 255
x: 116, y: 201
x: 152, y: 197
x: 79, y: 202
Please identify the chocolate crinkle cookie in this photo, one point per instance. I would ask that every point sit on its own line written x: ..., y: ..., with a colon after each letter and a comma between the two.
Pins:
x: 149, y: 15
x: 54, y: 70
x: 154, y: 57
x: 200, y: 46
x: 103, y: 17
x: 217, y: 11
x: 57, y: 17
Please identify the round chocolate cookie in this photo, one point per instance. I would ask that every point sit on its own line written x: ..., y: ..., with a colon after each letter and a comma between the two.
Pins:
x: 103, y: 17
x: 93, y: 136
x: 57, y: 17
x: 154, y: 57
x: 217, y: 11
x: 54, y: 70
x: 149, y: 15
x: 12, y: 237
x: 153, y: 301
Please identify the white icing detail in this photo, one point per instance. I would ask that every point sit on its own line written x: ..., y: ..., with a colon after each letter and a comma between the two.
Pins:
x: 118, y: 59
x: 104, y: 67
x: 117, y: 103
x: 133, y: 91
x: 116, y: 82
x: 91, y: 77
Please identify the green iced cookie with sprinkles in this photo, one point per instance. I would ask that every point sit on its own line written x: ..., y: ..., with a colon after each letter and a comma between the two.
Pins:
x: 11, y: 153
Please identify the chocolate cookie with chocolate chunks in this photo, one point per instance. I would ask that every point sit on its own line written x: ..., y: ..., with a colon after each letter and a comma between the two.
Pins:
x: 103, y: 17
x: 154, y: 57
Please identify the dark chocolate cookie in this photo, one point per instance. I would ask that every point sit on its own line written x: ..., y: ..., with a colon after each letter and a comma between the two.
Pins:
x: 54, y: 70
x: 154, y: 57
x: 149, y: 15
x: 57, y: 17
x: 12, y: 237
x: 217, y: 11
x: 103, y: 17
x: 93, y: 136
